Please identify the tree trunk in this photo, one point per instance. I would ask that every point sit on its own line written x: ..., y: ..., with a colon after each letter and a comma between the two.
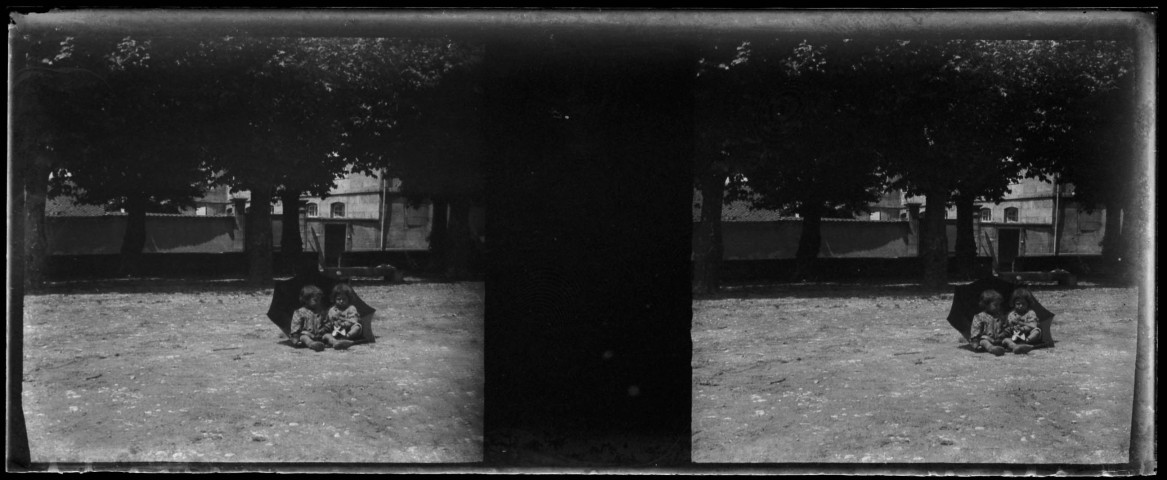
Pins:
x: 934, y: 248
x: 966, y: 241
x: 35, y: 236
x: 439, y: 236
x: 707, y: 247
x: 809, y: 242
x: 459, y: 241
x: 1112, y: 233
x: 291, y: 245
x: 258, y: 237
x: 1131, y: 244
x: 134, y: 240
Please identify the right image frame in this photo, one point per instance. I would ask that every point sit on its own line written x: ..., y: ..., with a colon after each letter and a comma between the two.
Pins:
x: 925, y: 239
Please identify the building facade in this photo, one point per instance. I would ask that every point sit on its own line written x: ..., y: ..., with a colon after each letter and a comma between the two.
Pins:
x: 363, y: 213
x: 1035, y: 218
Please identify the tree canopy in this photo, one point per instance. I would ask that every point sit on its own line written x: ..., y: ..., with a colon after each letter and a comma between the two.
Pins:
x: 826, y: 123
x: 155, y: 119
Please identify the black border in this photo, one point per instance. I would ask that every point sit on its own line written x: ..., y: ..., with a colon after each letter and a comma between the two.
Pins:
x: 650, y: 25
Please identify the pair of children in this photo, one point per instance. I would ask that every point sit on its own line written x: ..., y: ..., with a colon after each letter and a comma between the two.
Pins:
x: 1017, y: 331
x: 314, y: 328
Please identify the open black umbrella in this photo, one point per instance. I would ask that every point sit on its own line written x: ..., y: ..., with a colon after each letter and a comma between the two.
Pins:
x: 286, y: 299
x: 966, y: 304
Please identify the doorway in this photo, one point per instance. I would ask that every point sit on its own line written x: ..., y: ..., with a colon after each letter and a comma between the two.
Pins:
x: 1008, y: 247
x: 335, y: 235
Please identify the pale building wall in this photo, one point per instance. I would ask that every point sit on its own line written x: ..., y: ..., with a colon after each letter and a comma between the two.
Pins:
x: 361, y: 196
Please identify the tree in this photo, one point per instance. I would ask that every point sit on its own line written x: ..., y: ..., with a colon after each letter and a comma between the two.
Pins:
x: 312, y: 116
x: 264, y: 101
x: 133, y: 149
x: 442, y: 159
x: 943, y: 123
x: 300, y: 112
x: 1045, y: 79
x: 425, y: 131
x: 50, y: 68
x: 1004, y: 91
x: 1081, y: 134
x: 727, y: 139
x: 816, y: 159
x: 284, y: 105
x: 1105, y: 171
x: 781, y: 127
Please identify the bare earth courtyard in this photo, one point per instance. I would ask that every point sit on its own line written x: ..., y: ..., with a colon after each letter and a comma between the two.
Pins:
x: 196, y: 372
x: 876, y: 374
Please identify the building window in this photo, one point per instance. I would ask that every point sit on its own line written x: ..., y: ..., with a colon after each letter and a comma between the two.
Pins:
x: 1089, y: 221
x: 311, y: 210
x: 417, y: 216
x: 1011, y: 214
x: 337, y: 210
x: 986, y: 215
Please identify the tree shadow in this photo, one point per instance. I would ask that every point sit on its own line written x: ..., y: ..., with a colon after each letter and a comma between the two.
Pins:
x: 830, y: 290
x: 288, y: 343
x: 152, y: 285
x: 189, y: 285
x: 968, y: 348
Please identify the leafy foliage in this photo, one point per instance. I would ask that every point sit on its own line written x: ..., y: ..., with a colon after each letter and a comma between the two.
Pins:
x: 155, y: 121
x: 815, y: 154
x: 1082, y: 122
x: 132, y: 135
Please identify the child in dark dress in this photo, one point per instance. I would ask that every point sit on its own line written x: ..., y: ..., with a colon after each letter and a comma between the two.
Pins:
x: 986, y: 331
x: 307, y: 329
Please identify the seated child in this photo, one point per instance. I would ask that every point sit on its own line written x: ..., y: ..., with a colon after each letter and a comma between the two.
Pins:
x: 343, y: 322
x: 985, y: 334
x: 1021, y: 324
x: 307, y: 327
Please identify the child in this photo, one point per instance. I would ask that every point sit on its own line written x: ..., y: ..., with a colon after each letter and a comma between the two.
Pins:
x: 307, y: 327
x: 986, y: 329
x: 1021, y: 324
x: 343, y: 321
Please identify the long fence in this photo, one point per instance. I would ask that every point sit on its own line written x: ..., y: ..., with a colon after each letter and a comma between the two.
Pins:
x: 102, y: 235
x: 214, y: 244
x: 778, y: 239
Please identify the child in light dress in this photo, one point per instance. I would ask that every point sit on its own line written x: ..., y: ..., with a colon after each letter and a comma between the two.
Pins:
x: 343, y: 322
x: 1021, y: 325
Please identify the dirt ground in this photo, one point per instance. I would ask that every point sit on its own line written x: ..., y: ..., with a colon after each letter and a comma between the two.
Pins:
x: 837, y: 373
x: 195, y: 372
